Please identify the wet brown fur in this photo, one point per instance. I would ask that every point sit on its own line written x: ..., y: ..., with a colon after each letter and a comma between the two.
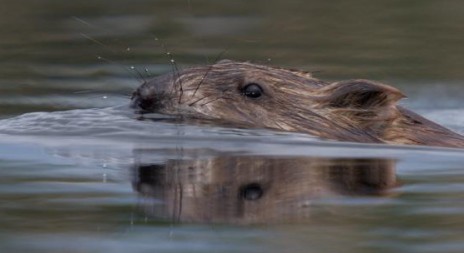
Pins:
x: 354, y: 110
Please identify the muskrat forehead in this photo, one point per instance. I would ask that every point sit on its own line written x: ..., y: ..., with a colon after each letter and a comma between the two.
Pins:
x: 273, y: 74
x: 239, y: 74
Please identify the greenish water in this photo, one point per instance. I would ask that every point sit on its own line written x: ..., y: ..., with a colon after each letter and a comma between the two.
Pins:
x: 78, y: 173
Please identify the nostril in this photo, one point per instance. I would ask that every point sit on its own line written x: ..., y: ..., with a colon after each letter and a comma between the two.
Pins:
x: 142, y: 102
x: 150, y: 104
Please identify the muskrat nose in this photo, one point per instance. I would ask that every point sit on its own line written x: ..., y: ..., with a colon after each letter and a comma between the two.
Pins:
x: 143, y: 102
x: 152, y: 94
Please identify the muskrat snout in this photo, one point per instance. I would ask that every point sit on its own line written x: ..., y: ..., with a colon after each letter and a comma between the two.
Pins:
x: 152, y: 95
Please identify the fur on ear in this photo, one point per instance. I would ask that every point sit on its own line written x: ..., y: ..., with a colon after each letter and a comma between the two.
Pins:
x: 359, y: 94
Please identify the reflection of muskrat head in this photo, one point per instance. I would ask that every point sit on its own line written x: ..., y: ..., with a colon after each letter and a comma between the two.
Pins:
x: 264, y: 97
x: 255, y: 189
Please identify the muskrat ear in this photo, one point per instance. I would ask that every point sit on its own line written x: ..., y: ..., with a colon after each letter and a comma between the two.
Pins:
x: 361, y: 94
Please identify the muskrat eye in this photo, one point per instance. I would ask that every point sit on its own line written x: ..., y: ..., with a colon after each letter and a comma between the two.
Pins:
x: 251, y: 192
x: 252, y: 90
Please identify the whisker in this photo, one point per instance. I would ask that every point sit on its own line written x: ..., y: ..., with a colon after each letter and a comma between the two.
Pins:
x: 133, y: 68
x: 96, y: 41
x: 208, y: 70
x: 149, y: 74
x: 181, y: 89
x: 216, y: 99
x: 95, y: 27
x: 198, y: 100
x: 121, y: 66
x: 175, y: 70
x: 83, y: 21
x: 139, y: 75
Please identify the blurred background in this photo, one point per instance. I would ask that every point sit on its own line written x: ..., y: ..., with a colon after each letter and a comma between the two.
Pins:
x: 78, y: 54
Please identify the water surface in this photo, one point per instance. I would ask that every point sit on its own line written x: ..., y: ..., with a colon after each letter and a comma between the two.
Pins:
x: 79, y: 172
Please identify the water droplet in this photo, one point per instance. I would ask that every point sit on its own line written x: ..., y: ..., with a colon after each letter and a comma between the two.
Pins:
x: 268, y: 59
x: 172, y: 61
x: 128, y: 49
x: 99, y: 57
x: 132, y: 67
x: 104, y: 97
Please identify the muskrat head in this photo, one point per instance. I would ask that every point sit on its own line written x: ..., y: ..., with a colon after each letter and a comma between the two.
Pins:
x: 258, y: 96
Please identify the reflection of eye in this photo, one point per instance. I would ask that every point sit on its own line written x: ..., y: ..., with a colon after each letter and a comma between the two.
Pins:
x: 251, y: 192
x: 252, y: 90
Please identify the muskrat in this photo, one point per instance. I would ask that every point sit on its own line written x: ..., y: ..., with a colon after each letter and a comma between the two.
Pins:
x: 259, y: 96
